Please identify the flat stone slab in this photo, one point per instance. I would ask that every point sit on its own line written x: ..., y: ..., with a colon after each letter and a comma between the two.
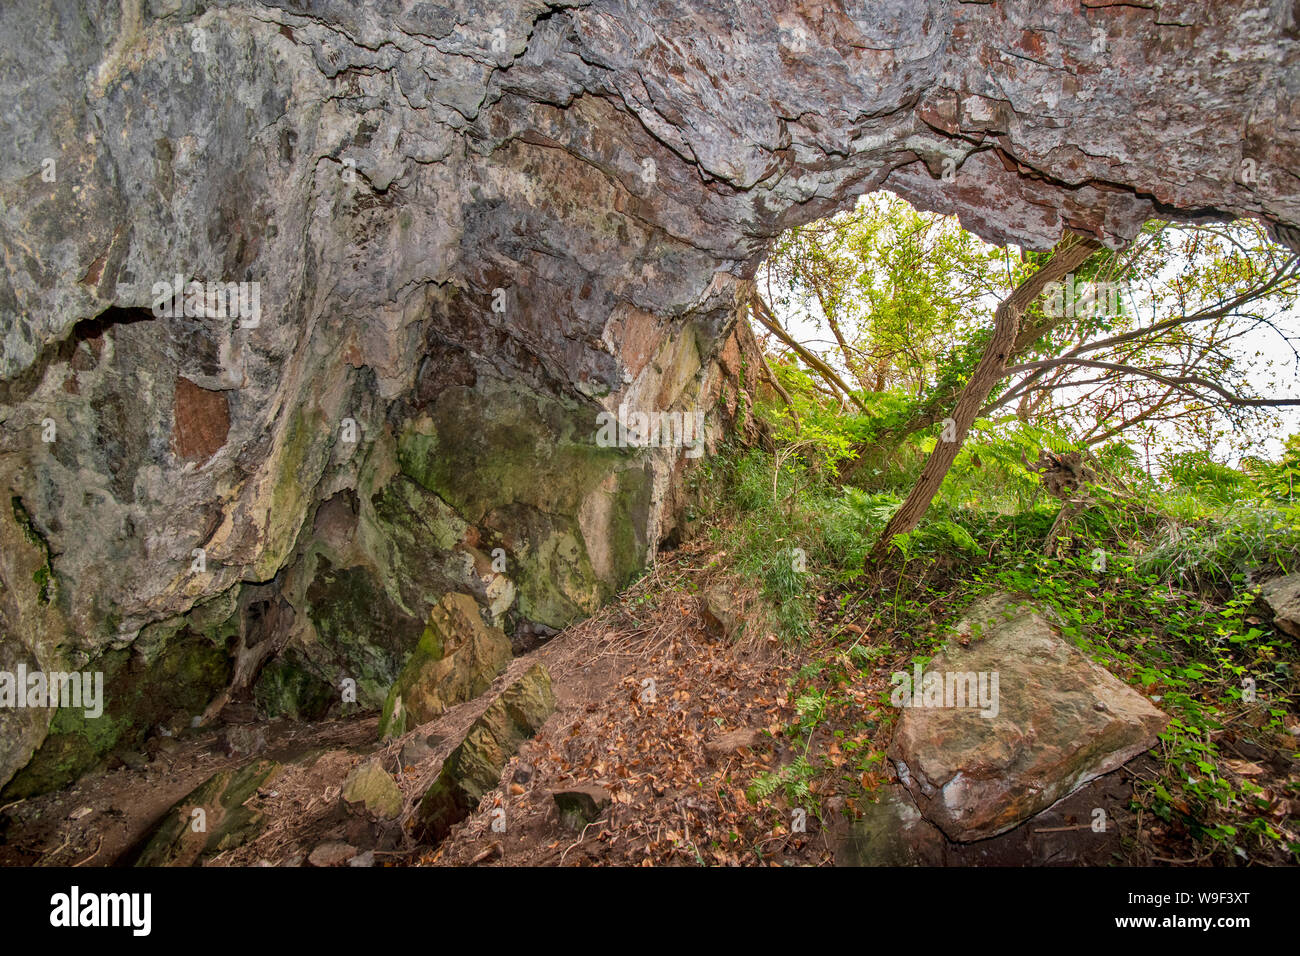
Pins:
x: 1004, y: 727
x: 210, y: 818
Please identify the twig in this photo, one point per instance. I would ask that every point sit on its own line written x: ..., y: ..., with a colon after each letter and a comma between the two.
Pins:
x: 1080, y: 826
x: 581, y: 836
x: 99, y: 845
x: 495, y: 849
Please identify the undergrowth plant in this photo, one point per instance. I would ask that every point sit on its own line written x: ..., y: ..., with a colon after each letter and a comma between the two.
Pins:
x: 1159, y: 585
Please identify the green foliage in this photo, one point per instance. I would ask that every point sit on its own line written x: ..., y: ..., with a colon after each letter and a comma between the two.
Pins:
x: 989, y: 472
x: 788, y: 528
x: 1198, y: 474
x: 1154, y: 575
x: 1161, y: 601
x: 898, y: 285
x: 1219, y: 551
x: 792, y: 780
x: 1279, y: 480
x: 829, y: 435
x: 774, y: 509
x: 1206, y: 664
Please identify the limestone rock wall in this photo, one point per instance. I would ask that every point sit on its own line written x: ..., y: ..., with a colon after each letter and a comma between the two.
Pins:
x: 473, y: 226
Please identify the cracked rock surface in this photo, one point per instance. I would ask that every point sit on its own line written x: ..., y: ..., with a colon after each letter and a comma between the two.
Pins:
x: 468, y: 229
x: 1010, y: 721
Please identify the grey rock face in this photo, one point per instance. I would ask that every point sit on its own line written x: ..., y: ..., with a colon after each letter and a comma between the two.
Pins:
x: 466, y: 229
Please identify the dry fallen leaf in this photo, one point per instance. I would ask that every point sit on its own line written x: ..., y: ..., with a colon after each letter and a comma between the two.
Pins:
x: 1245, y: 767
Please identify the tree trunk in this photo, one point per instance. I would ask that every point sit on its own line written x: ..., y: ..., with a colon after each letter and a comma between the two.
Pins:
x: 763, y: 313
x: 1070, y: 253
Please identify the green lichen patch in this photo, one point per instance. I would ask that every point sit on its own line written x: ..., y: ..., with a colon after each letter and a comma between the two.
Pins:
x: 360, y: 632
x: 303, y: 439
x: 43, y: 576
x: 456, y: 660
x: 493, y: 445
x: 138, y: 695
x: 409, y: 533
x: 525, y: 468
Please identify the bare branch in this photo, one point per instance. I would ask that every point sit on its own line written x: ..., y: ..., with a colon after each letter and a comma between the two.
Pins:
x: 1179, y: 381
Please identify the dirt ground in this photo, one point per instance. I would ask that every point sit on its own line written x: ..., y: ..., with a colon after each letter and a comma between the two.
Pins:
x: 670, y: 719
x: 102, y: 816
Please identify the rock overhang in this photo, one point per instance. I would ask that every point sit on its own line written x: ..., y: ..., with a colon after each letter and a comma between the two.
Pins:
x: 384, y: 168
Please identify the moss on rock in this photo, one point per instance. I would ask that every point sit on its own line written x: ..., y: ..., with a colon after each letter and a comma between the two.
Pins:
x: 456, y: 660
x: 410, y: 533
x: 360, y: 632
x: 287, y: 687
x: 186, y: 674
x: 475, y: 766
x: 227, y: 822
x: 526, y: 467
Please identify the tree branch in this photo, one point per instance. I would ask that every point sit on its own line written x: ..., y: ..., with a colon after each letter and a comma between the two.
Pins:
x: 768, y: 321
x: 1069, y: 253
x: 1179, y: 381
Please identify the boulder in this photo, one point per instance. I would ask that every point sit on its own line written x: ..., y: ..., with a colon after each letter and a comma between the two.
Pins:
x: 456, y: 660
x: 1049, y: 721
x: 1282, y: 595
x: 721, y: 611
x: 580, y: 806
x: 370, y: 787
x: 333, y: 853
x: 475, y: 766
x: 211, y: 818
